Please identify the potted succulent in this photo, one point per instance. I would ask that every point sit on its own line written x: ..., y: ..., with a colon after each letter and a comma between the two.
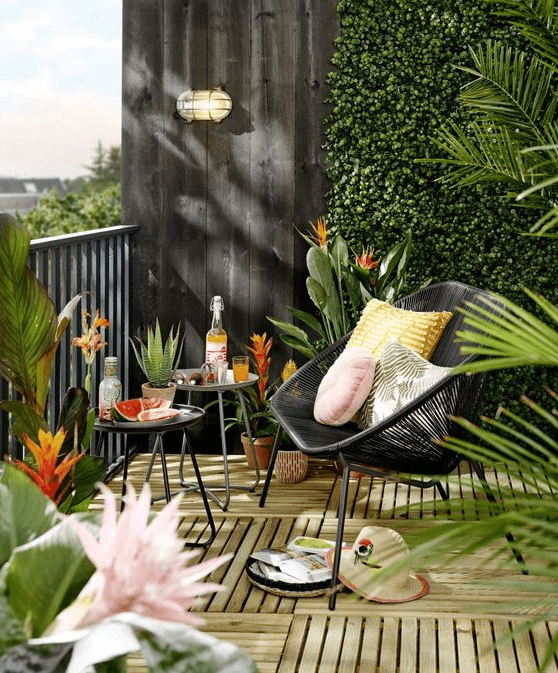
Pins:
x: 158, y: 362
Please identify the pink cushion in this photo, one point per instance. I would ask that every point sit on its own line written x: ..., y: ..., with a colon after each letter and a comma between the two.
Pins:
x: 345, y: 386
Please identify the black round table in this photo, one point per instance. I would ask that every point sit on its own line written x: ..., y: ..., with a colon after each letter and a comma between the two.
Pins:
x: 188, y: 416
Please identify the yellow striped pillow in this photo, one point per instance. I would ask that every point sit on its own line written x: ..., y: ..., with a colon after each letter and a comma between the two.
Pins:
x: 381, y: 322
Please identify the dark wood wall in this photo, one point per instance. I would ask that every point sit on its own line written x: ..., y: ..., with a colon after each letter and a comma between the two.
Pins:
x: 218, y: 203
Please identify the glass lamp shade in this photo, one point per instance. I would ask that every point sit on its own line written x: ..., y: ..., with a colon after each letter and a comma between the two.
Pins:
x: 212, y: 105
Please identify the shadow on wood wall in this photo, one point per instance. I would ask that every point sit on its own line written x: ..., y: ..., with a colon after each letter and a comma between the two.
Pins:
x: 218, y: 203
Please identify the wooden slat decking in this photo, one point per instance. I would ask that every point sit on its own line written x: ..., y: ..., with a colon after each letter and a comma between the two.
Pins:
x: 451, y: 630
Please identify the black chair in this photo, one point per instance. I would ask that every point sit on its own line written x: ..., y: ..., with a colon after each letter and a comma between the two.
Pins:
x: 404, y: 443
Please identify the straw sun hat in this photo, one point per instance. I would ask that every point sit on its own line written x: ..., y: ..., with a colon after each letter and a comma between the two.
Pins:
x: 377, y: 547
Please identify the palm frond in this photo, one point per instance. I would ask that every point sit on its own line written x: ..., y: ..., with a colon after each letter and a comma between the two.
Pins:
x: 514, y: 336
x: 537, y: 21
x: 510, y: 88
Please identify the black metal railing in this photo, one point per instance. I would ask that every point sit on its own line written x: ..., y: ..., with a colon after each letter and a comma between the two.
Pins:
x: 98, y: 264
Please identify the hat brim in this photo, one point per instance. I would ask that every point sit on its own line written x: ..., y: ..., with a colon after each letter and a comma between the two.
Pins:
x: 359, y: 577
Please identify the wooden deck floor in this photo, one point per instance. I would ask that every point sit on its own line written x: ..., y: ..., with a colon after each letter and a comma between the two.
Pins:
x: 451, y: 630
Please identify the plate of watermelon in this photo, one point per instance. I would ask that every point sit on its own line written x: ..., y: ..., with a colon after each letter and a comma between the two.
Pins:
x: 144, y: 412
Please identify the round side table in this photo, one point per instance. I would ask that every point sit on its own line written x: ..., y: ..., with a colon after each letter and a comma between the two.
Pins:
x: 219, y: 388
x: 188, y: 416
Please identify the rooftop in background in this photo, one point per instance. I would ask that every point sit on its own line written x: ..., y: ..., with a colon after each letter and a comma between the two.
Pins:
x: 24, y: 194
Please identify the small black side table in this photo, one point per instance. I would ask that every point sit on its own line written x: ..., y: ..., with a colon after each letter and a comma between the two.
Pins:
x: 188, y: 416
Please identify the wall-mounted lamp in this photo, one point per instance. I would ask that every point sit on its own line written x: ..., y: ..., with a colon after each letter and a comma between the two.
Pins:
x: 213, y: 105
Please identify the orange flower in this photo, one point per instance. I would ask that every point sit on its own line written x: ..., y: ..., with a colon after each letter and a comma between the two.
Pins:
x: 49, y: 476
x: 262, y: 360
x: 319, y: 232
x: 364, y: 260
x: 90, y: 341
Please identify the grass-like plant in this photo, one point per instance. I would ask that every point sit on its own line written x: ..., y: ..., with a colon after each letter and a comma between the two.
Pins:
x: 157, y: 361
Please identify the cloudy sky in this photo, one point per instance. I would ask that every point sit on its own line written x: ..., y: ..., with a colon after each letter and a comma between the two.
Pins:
x: 60, y: 80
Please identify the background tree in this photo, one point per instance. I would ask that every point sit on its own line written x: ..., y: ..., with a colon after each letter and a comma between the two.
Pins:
x: 92, y: 202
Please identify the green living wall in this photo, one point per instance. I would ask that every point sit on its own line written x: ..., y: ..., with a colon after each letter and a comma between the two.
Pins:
x: 393, y: 84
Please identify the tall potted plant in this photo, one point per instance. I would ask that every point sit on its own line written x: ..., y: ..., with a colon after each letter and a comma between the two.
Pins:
x: 159, y: 362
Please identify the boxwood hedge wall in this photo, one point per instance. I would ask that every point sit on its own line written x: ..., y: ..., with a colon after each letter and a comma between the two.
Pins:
x: 393, y: 83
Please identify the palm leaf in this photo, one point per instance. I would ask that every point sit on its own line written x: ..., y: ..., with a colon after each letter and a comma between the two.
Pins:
x: 510, y: 89
x: 514, y: 337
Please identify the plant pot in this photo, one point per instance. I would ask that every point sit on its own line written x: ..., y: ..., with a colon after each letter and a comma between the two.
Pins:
x: 291, y: 466
x: 147, y: 390
x: 263, y: 447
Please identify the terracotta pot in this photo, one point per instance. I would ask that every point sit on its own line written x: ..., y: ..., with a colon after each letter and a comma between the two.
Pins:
x: 291, y: 466
x: 263, y: 447
x: 147, y: 390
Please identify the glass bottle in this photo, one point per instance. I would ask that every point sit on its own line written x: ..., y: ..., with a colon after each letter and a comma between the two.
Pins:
x: 110, y: 389
x: 216, y: 338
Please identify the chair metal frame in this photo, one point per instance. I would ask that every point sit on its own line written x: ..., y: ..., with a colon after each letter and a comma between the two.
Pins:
x: 410, y: 441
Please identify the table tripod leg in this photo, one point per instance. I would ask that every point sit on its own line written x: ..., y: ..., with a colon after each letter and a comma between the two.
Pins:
x: 250, y: 439
x: 224, y: 451
x: 210, y: 520
x: 159, y: 440
x: 124, y: 473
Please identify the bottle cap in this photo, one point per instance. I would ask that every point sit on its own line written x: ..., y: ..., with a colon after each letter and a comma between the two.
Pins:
x: 111, y: 360
x: 217, y: 304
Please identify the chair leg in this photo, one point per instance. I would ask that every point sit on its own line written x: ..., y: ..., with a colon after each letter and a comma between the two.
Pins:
x: 339, y: 536
x: 479, y: 469
x: 270, y: 468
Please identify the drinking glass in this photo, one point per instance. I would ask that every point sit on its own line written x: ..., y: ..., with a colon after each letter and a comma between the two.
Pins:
x: 221, y: 369
x: 240, y: 367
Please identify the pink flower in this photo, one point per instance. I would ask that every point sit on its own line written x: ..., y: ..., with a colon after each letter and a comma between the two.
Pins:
x: 141, y: 564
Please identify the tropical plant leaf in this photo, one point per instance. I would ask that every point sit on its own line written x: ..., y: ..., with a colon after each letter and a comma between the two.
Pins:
x: 25, y: 420
x: 73, y: 418
x: 46, y: 361
x: 25, y: 512
x: 514, y: 336
x: 89, y: 471
x: 45, y: 575
x: 27, y: 314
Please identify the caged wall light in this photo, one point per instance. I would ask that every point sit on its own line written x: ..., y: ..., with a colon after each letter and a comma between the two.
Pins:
x: 212, y: 105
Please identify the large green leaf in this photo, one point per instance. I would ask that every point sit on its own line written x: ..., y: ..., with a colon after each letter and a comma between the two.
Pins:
x: 73, y: 418
x: 27, y: 314
x: 25, y: 512
x: 25, y: 419
x: 45, y: 575
x: 320, y: 268
x: 46, y: 362
x: 89, y: 471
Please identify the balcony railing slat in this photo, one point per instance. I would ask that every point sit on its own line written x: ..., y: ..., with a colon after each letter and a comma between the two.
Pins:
x: 97, y: 263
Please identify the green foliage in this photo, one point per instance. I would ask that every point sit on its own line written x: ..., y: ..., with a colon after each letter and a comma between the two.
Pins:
x: 340, y: 289
x: 73, y: 212
x: 511, y: 135
x: 395, y: 83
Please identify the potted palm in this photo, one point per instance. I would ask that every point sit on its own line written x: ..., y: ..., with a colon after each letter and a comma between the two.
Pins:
x: 158, y: 362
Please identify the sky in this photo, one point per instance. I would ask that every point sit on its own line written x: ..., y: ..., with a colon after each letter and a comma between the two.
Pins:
x: 60, y: 85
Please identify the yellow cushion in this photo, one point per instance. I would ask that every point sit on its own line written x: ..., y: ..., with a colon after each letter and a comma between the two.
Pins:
x: 381, y: 322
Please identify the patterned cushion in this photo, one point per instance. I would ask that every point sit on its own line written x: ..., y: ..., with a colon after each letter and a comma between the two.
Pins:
x: 344, y: 387
x: 381, y: 321
x: 401, y: 376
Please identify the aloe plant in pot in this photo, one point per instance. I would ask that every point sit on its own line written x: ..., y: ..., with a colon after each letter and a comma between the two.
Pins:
x: 159, y: 362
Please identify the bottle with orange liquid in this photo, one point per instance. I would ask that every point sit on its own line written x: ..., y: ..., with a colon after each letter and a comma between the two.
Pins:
x: 216, y: 338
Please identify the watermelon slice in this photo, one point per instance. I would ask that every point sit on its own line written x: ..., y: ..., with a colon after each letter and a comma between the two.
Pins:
x: 127, y: 410
x: 157, y: 414
x: 155, y: 403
